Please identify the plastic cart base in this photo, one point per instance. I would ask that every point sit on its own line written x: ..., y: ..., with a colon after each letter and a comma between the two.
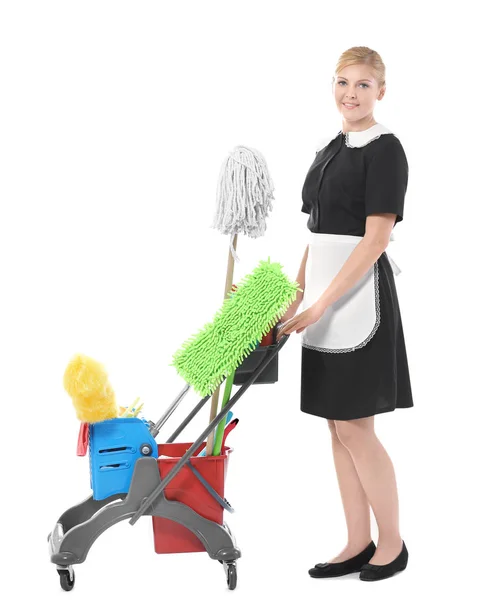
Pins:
x: 79, y: 527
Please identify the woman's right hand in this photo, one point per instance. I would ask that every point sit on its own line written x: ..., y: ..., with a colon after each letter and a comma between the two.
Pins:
x: 292, y: 309
x: 289, y: 314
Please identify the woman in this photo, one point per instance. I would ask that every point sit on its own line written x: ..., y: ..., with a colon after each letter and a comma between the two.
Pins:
x: 354, y: 362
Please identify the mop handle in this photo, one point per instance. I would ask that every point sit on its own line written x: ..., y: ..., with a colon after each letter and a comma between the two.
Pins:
x: 216, y: 393
x: 185, y: 458
x: 154, y: 430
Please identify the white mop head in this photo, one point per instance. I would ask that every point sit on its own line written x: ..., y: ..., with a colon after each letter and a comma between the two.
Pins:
x: 244, y: 194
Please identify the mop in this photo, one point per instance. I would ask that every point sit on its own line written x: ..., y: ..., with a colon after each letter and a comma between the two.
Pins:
x: 243, y: 199
x: 212, y: 354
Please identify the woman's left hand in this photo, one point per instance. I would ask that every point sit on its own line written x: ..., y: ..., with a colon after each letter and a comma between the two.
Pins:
x: 302, y: 320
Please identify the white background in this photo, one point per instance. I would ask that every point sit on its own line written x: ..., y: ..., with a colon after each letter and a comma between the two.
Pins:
x: 115, y: 119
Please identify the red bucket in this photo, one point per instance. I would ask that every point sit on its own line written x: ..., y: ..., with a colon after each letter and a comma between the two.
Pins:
x: 185, y: 487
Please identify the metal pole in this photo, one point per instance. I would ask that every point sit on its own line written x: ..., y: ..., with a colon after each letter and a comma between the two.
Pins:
x: 189, y: 418
x: 169, y: 411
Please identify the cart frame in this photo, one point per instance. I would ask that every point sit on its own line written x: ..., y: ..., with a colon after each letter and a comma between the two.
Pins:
x: 78, y: 527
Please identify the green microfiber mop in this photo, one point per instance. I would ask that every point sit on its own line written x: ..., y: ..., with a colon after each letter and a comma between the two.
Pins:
x: 248, y: 314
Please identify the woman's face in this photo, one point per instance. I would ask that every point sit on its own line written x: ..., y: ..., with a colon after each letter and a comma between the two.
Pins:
x: 356, y: 85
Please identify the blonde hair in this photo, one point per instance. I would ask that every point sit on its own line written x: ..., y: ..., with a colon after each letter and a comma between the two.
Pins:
x: 363, y: 55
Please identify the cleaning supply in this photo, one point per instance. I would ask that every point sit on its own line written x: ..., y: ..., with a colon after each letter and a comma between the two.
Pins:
x: 115, y: 447
x: 115, y: 442
x: 229, y: 428
x: 86, y: 382
x: 118, y: 497
x: 260, y: 300
x: 131, y: 411
x: 125, y: 457
x: 243, y: 199
x: 228, y: 418
x: 83, y: 438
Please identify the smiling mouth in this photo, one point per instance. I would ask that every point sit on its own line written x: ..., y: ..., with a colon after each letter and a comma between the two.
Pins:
x: 347, y: 104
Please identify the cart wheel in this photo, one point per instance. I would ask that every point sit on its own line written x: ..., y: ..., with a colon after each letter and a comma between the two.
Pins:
x: 67, y: 581
x: 231, y: 576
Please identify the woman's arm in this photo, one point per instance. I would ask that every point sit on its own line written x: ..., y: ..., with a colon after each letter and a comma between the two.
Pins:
x: 300, y: 278
x: 362, y: 258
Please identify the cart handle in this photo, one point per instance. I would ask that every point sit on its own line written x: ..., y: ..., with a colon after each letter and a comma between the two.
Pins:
x: 197, y: 408
x: 185, y: 458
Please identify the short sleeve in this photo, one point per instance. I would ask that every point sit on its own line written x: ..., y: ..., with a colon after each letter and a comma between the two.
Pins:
x: 306, y: 208
x: 386, y: 181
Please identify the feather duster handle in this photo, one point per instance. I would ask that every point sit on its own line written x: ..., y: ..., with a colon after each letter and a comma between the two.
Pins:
x: 244, y: 195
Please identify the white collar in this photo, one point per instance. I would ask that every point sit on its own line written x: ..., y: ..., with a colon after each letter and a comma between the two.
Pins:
x: 355, y: 139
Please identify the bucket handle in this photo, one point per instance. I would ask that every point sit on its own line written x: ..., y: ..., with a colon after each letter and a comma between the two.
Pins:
x: 223, y: 502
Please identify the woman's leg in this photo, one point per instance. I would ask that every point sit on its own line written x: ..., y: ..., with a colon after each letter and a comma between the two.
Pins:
x: 376, y: 473
x: 355, y: 502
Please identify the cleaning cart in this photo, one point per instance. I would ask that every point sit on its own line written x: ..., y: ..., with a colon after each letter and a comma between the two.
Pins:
x: 131, y: 476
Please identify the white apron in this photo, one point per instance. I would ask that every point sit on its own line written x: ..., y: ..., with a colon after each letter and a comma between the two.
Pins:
x: 351, y: 321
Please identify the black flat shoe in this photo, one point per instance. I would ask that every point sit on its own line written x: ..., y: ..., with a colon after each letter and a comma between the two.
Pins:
x: 375, y: 572
x: 352, y: 565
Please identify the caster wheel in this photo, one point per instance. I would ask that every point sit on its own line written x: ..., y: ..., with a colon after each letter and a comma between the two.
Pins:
x: 67, y: 580
x: 231, y: 576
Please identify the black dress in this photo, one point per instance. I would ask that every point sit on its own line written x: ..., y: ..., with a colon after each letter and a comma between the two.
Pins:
x: 352, y: 176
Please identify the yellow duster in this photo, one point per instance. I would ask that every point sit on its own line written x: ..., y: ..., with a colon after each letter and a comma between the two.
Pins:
x: 86, y: 381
